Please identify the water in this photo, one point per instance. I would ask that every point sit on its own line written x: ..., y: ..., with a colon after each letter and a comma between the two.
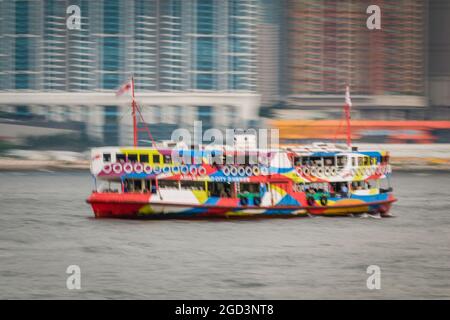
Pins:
x: 45, y: 226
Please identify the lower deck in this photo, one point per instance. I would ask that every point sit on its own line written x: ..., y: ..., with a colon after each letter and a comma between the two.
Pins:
x: 189, y: 199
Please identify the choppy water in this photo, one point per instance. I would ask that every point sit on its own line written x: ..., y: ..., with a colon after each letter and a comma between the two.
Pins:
x: 46, y: 226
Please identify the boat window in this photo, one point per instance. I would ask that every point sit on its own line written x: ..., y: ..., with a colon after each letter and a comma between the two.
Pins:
x: 229, y: 159
x: 316, y: 187
x: 107, y: 157
x: 329, y: 161
x: 193, y: 185
x: 156, y: 159
x: 360, y: 161
x: 249, y: 187
x: 360, y: 185
x: 220, y: 189
x: 306, y: 161
x: 143, y: 158
x: 316, y: 161
x: 247, y: 159
x: 137, y: 185
x: 110, y: 187
x: 341, y: 161
x: 120, y: 157
x: 132, y: 157
x: 366, y: 161
x: 168, y: 184
x: 297, y: 161
x: 131, y: 185
x: 167, y: 159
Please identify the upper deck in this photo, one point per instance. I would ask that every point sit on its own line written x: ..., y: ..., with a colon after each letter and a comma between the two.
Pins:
x: 315, y: 163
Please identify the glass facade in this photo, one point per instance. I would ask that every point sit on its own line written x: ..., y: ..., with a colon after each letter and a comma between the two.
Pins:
x: 168, y: 45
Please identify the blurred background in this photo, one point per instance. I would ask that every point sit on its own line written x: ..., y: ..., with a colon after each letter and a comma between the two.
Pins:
x: 229, y: 63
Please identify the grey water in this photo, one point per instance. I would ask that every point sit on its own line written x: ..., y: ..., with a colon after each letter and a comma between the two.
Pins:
x: 45, y: 226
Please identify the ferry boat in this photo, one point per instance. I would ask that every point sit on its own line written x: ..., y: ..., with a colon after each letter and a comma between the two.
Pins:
x: 287, y: 181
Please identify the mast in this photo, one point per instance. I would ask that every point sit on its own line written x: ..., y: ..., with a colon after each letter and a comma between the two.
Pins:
x: 133, y: 113
x: 347, y: 106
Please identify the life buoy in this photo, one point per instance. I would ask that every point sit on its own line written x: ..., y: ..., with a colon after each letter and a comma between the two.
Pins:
x: 226, y: 171
x: 147, y: 169
x: 184, y: 170
x: 176, y: 170
x: 128, y: 167
x: 157, y: 170
x: 248, y: 171
x: 320, y: 171
x: 202, y: 171
x: 264, y: 171
x: 310, y: 200
x: 298, y: 170
x: 334, y: 171
x: 327, y: 171
x: 257, y: 201
x: 256, y: 171
x: 306, y: 171
x: 241, y: 171
x: 107, y: 168
x: 314, y: 171
x: 138, y: 167
x: 323, y: 200
x: 117, y: 168
x: 243, y: 201
x: 166, y: 170
x: 234, y: 171
x: 193, y: 170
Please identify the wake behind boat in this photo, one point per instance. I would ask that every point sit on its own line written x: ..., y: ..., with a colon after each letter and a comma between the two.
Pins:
x: 172, y: 180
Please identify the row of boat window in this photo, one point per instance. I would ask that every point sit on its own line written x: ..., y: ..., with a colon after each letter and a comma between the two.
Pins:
x: 228, y: 189
x: 339, y: 161
x: 215, y: 189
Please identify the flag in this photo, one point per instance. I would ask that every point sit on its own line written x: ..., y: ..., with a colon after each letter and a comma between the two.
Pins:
x: 347, y: 109
x: 348, y: 101
x: 126, y: 87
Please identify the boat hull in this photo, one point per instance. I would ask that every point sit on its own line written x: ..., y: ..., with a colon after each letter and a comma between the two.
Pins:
x: 138, y: 207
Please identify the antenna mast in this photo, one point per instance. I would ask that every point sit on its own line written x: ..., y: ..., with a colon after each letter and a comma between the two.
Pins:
x: 133, y: 113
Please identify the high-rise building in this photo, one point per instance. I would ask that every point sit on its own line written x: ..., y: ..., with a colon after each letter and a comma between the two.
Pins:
x: 169, y: 45
x: 193, y: 57
x: 329, y: 46
x: 439, y: 58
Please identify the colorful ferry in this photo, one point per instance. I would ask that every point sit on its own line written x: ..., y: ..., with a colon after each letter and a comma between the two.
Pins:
x: 171, y: 180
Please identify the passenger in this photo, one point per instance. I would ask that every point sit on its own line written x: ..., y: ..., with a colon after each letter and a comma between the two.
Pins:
x: 344, y: 190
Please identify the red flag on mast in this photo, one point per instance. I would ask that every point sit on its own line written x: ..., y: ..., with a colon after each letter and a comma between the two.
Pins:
x: 347, y: 109
x: 126, y: 87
